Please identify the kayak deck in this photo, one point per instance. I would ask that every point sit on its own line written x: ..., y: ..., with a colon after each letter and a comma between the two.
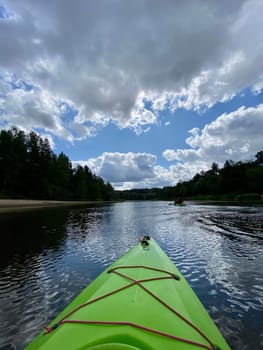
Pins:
x: 141, y: 301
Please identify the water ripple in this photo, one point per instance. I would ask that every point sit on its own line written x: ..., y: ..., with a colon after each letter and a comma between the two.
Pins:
x: 219, y: 250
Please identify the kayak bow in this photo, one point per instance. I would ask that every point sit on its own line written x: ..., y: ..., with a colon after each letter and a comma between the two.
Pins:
x: 141, y: 302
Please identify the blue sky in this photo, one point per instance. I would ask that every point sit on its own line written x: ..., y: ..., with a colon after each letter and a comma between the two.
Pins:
x: 146, y: 93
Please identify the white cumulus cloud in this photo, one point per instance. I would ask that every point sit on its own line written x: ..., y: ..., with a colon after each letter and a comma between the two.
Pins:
x: 103, y: 56
x: 122, y: 167
x: 236, y: 136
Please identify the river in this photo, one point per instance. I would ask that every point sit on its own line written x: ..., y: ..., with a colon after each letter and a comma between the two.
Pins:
x: 47, y: 256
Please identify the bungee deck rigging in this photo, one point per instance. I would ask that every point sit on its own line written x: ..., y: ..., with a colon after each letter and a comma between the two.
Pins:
x: 155, y: 320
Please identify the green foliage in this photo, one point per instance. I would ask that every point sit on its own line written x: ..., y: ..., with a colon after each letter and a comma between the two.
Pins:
x: 30, y: 169
x: 259, y: 157
x: 226, y: 183
x: 138, y: 194
x: 233, y: 181
x: 248, y: 197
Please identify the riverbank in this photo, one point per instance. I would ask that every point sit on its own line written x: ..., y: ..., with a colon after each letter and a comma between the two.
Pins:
x: 9, y: 205
x: 258, y: 203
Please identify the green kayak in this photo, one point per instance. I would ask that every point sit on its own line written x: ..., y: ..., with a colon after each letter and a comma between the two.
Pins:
x: 141, y: 302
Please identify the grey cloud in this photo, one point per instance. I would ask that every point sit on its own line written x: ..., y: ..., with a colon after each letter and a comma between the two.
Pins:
x: 236, y: 136
x: 123, y: 167
x: 102, y: 54
x: 30, y: 108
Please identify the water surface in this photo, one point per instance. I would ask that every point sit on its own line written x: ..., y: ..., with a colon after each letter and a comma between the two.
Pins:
x: 48, y: 256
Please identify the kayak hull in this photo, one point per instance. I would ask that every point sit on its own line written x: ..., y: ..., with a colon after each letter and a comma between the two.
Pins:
x: 141, y: 301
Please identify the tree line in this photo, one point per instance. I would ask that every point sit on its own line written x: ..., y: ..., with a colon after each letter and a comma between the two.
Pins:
x: 234, y: 181
x: 30, y: 169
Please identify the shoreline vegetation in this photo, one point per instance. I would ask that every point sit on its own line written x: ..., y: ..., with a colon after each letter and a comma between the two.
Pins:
x: 29, y: 169
x: 15, y: 205
x: 33, y: 175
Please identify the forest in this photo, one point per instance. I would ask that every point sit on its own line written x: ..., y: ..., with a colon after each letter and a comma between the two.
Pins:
x: 29, y: 169
x: 234, y: 181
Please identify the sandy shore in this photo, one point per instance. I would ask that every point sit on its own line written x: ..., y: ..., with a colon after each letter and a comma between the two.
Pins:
x: 8, y: 205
